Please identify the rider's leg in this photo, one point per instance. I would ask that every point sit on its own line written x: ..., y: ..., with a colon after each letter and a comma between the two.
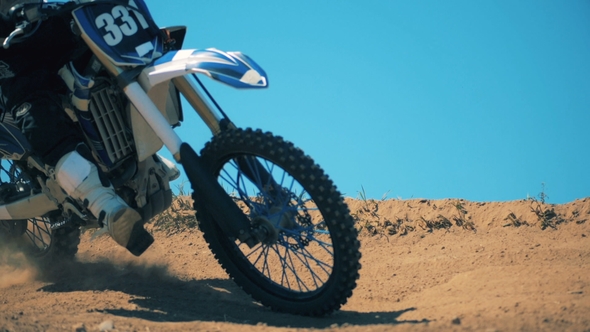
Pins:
x: 56, y: 138
x: 81, y: 180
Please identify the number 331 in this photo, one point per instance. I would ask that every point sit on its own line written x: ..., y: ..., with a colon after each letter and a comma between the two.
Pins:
x: 116, y: 32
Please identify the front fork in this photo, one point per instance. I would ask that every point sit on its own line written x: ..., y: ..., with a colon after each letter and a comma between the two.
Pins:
x: 220, y: 205
x: 217, y: 123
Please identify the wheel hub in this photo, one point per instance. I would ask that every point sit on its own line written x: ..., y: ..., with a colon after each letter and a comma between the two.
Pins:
x: 265, y: 231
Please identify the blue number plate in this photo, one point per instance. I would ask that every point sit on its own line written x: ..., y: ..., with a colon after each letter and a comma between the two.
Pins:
x: 125, y: 33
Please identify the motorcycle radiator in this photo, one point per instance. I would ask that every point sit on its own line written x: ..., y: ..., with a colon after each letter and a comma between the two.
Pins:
x: 115, y: 141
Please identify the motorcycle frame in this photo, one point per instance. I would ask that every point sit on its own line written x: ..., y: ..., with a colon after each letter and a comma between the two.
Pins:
x: 139, y: 84
x: 175, y: 66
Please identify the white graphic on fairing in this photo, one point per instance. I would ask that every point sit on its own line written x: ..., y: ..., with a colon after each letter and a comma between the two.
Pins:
x: 144, y: 49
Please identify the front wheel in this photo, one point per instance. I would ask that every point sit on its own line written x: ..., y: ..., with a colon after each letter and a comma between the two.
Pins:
x: 309, y: 262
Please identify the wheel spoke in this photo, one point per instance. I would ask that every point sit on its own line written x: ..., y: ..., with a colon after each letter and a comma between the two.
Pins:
x: 290, y: 268
x: 265, y: 266
x: 260, y: 254
x: 312, y: 273
x: 39, y: 235
x: 226, y: 176
x: 300, y: 282
x: 37, y: 231
x: 305, y: 253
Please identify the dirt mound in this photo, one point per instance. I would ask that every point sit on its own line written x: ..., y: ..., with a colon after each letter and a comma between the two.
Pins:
x: 403, y: 216
x: 428, y: 265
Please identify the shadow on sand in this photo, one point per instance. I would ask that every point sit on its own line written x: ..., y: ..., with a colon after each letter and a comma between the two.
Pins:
x: 161, y: 297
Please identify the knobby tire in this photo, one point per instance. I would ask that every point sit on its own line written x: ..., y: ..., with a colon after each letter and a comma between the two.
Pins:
x: 330, y: 286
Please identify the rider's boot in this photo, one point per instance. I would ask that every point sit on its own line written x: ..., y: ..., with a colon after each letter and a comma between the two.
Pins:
x: 80, y: 179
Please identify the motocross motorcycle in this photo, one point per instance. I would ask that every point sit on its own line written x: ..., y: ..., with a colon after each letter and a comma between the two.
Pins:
x: 273, y: 219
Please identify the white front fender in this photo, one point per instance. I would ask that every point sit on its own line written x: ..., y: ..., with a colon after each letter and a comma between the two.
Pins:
x: 232, y: 68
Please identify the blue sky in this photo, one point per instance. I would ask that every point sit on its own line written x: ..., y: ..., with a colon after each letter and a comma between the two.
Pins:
x: 481, y: 100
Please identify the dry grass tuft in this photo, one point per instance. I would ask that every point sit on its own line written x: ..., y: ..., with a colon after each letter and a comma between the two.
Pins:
x: 178, y: 217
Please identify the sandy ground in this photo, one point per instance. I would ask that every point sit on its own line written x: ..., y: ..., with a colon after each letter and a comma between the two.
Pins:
x: 428, y: 265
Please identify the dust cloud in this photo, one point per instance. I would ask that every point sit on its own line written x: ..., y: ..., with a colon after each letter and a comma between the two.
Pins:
x: 15, y: 268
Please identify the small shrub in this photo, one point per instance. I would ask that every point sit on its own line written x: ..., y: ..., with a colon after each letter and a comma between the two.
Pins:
x: 441, y: 222
x: 546, y: 216
x: 514, y: 221
x: 461, y: 220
